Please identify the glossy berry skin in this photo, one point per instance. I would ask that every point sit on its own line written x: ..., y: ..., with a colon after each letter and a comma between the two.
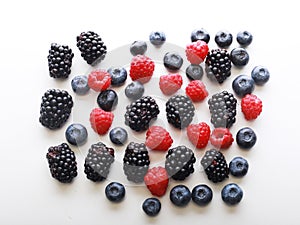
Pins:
x: 158, y: 138
x: 157, y: 181
x: 196, y: 52
x: 239, y: 57
x: 202, y: 194
x: 238, y: 167
x: 196, y: 91
x: 180, y: 195
x: 232, y: 194
x: 141, y: 68
x: 173, y: 61
x: 99, y: 80
x: 199, y: 134
x: 80, y: 85
x: 251, y: 106
x: 76, y: 134
x: 151, y: 206
x: 118, y: 135
x: 115, y: 192
x: 223, y: 39
x: 107, y: 100
x: 221, y: 138
x: 118, y: 76
x: 134, y: 90
x: 260, y: 75
x: 246, y: 138
x: 243, y: 85
x: 170, y: 83
x: 138, y: 48
x: 101, y: 120
x: 194, y: 72
x: 244, y: 38
x: 200, y: 34
x: 157, y: 38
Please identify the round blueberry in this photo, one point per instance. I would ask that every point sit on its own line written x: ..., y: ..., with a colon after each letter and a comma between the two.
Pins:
x: 223, y: 39
x: 243, y: 85
x: 157, y: 38
x: 107, y: 100
x: 151, y: 206
x: 118, y: 135
x: 118, y: 76
x: 239, y: 57
x: 76, y: 134
x: 173, y: 61
x: 115, y: 192
x: 246, y: 138
x: 238, y: 167
x: 200, y: 34
x: 134, y: 90
x: 232, y: 194
x: 202, y: 194
x: 180, y: 195
x: 80, y: 85
x: 194, y: 72
x: 260, y: 75
x: 138, y: 48
x: 244, y: 38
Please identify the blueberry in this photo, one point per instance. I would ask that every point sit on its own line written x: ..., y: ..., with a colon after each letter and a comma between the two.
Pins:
x: 244, y: 38
x: 232, y: 194
x: 118, y: 76
x: 260, y: 75
x: 243, y: 85
x: 157, y: 38
x: 151, y: 206
x: 107, y: 100
x: 115, y: 192
x: 200, y: 34
x: 239, y: 57
x: 202, y: 194
x: 180, y: 195
x: 138, y: 48
x: 76, y: 134
x: 223, y: 39
x: 80, y: 85
x: 194, y: 72
x: 246, y: 138
x: 118, y: 135
x: 173, y: 61
x: 134, y: 90
x: 238, y: 167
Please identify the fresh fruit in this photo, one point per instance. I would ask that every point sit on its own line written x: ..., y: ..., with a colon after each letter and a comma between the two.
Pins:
x: 239, y: 57
x: 157, y: 138
x: 246, y: 138
x: 80, y: 85
x: 118, y: 135
x: 196, y: 91
x: 107, y: 100
x: 157, y: 38
x: 238, y: 167
x: 251, y: 106
x: 151, y: 206
x: 140, y: 113
x: 60, y: 61
x: 243, y: 85
x: 76, y: 134
x: 157, y: 181
x: 141, y: 68
x: 98, y: 162
x: 260, y: 75
x: 118, y: 75
x: 194, y: 72
x: 202, y: 194
x: 134, y: 90
x: 173, y: 61
x: 223, y: 39
x: 62, y: 163
x: 99, y: 80
x: 170, y: 83
x: 115, y: 192
x: 200, y: 34
x: 196, y: 52
x: 138, y: 48
x: 101, y: 120
x: 198, y: 134
x: 55, y: 108
x: 221, y: 138
x: 180, y: 195
x: 244, y: 38
x: 232, y: 194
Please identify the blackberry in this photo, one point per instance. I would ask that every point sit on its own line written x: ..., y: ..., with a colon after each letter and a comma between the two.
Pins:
x: 140, y: 113
x: 60, y: 61
x: 56, y: 108
x: 180, y: 111
x: 91, y: 46
x: 215, y: 165
x: 218, y: 65
x: 62, y: 163
x: 136, y: 162
x: 98, y: 162
x: 180, y: 162
x: 222, y: 107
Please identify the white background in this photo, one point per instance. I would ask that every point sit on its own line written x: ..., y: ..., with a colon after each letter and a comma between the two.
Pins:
x: 30, y: 196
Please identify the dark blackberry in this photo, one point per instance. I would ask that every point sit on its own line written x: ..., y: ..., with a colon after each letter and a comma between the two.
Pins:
x: 98, y: 162
x: 222, y: 107
x: 180, y: 111
x: 60, y: 60
x: 218, y: 65
x: 91, y: 46
x: 62, y: 163
x: 215, y: 165
x: 56, y: 108
x: 140, y: 113
x: 136, y: 162
x: 180, y: 162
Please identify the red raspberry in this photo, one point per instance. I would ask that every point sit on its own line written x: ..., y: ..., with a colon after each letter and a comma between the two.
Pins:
x: 251, y: 106
x: 157, y: 138
x: 99, y: 80
x: 141, y: 68
x: 196, y: 51
x: 198, y: 134
x: 169, y: 84
x: 196, y: 90
x: 101, y: 120
x: 221, y: 138
x: 157, y: 181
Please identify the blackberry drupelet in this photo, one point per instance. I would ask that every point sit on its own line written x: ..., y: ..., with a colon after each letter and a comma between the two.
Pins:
x: 218, y: 65
x: 222, y: 107
x: 62, y: 163
x: 91, y: 46
x: 136, y: 162
x: 180, y: 111
x: 215, y: 165
x: 180, y: 162
x: 98, y: 162
x: 140, y: 113
x: 55, y: 108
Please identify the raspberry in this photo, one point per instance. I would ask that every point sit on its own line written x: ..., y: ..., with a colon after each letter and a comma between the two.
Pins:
x: 99, y: 80
x: 198, y: 134
x: 157, y: 181
x: 251, y: 106
x: 101, y: 120
x: 196, y: 90
x: 157, y: 138
x: 196, y: 51
x: 141, y: 68
x: 221, y: 138
x: 169, y: 84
